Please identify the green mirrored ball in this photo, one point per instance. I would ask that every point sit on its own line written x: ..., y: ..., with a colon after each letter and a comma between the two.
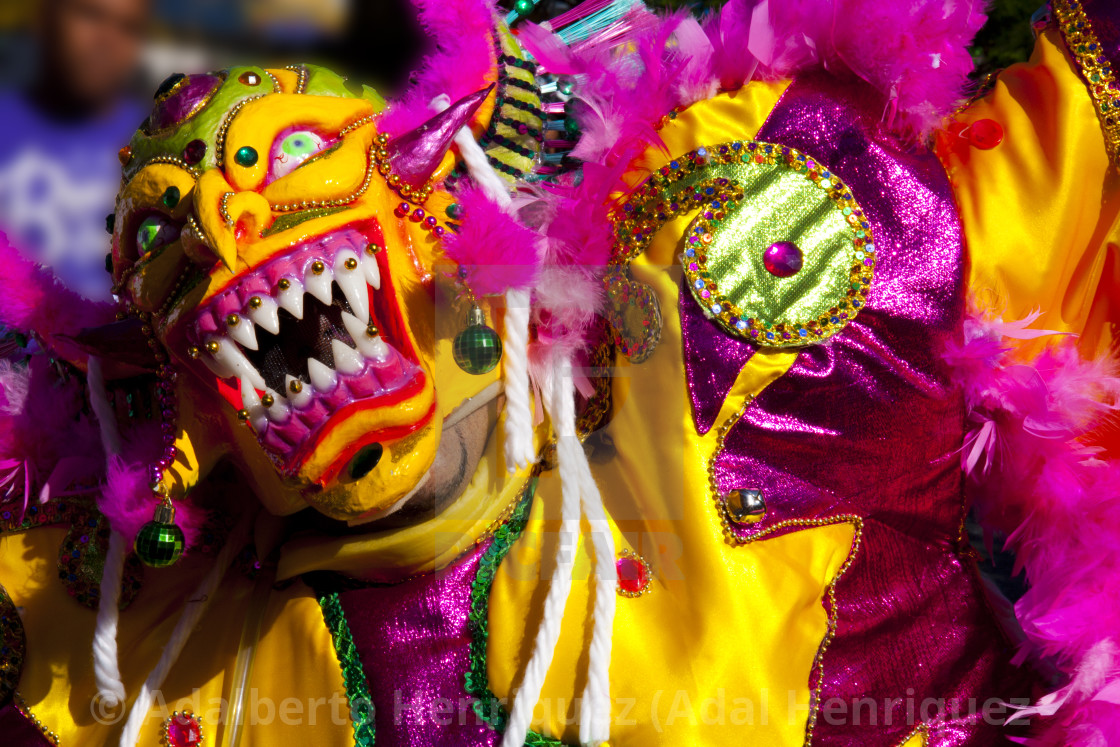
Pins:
x: 159, y: 545
x: 477, y: 349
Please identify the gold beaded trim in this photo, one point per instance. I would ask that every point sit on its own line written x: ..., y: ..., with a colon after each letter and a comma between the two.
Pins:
x: 648, y: 586
x: 1096, y: 70
x: 174, y: 161
x: 922, y: 729
x: 220, y: 136
x: 313, y: 204
x: 223, y: 208
x: 276, y: 87
x: 24, y: 711
x: 356, y: 124
x: 381, y: 154
x: 301, y: 77
x: 732, y: 538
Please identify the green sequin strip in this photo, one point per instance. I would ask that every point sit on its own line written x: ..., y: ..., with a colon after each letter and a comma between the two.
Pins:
x: 486, y: 705
x: 357, y: 691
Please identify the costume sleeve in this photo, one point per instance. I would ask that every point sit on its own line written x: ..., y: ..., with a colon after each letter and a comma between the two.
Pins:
x: 1040, y: 208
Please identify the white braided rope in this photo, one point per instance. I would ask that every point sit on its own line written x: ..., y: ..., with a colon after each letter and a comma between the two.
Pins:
x: 519, y: 451
x: 569, y: 453
x: 518, y: 442
x: 595, y: 708
x: 195, y: 607
x: 106, y: 661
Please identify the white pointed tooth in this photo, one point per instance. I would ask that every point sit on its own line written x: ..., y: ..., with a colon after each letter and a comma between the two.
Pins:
x: 302, y: 398
x: 352, y: 284
x: 323, y: 377
x: 278, y: 413
x: 231, y: 357
x: 354, y: 327
x: 258, y: 413
x: 346, y: 359
x: 243, y: 333
x: 292, y: 298
x: 371, y: 271
x: 371, y: 347
x: 266, y: 315
x: 220, y: 368
x: 319, y: 284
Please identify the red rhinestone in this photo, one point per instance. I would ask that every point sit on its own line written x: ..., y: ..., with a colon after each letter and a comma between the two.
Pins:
x: 632, y: 575
x: 985, y: 134
x: 124, y: 155
x: 194, y: 152
x: 183, y: 730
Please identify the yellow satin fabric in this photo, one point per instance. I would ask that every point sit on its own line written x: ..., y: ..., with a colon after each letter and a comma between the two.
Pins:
x: 1041, y: 211
x: 720, y: 652
x: 295, y: 666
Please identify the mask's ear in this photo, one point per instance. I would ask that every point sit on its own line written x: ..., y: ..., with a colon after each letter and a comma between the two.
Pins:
x: 415, y: 155
x: 121, y: 346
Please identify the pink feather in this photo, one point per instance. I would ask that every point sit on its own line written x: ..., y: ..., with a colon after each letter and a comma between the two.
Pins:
x: 1058, y: 502
x: 35, y: 301
x: 492, y: 247
x: 461, y: 61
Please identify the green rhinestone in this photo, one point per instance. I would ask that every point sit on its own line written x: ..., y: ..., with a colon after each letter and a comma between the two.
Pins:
x: 170, y: 198
x: 159, y: 545
x: 523, y: 6
x: 454, y: 211
x: 245, y: 156
x: 477, y: 349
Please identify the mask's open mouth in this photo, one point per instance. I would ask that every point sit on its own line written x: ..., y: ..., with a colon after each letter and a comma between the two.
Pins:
x: 306, y: 335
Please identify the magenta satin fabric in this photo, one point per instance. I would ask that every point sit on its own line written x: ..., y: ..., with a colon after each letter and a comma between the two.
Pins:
x: 868, y: 424
x: 413, y: 640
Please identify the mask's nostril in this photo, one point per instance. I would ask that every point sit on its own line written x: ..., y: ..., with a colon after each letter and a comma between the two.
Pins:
x: 365, y: 460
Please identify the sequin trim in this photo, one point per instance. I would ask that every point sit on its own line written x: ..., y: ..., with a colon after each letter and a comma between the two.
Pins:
x: 357, y: 690
x: 24, y: 711
x: 678, y: 188
x: 735, y: 538
x: 486, y: 705
x: 13, y: 645
x: 1095, y: 69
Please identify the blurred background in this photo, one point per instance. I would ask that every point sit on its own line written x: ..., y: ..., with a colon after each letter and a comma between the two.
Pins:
x: 76, y: 78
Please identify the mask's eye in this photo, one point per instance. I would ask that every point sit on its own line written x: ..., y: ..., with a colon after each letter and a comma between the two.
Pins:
x: 155, y: 231
x: 292, y: 149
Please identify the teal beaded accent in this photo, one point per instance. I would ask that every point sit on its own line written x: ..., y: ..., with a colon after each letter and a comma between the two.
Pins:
x: 159, y: 545
x: 477, y: 349
x: 357, y: 691
x: 486, y: 706
x: 245, y: 156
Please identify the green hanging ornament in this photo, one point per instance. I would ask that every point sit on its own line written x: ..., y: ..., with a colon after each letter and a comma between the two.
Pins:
x: 160, y: 542
x: 477, y: 348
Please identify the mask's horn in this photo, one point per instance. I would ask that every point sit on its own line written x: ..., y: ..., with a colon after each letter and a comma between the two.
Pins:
x: 416, y: 154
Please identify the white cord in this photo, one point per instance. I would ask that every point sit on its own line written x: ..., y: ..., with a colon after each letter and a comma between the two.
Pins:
x: 106, y: 661
x: 519, y: 449
x: 196, y: 606
x: 595, y: 709
x: 518, y: 446
x: 562, y: 411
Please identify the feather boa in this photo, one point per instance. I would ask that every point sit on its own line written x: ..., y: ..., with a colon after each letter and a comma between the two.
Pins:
x: 1036, y: 477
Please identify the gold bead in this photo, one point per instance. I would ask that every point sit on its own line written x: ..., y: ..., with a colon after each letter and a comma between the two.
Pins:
x: 394, y: 180
x: 213, y: 346
x: 372, y: 249
x: 317, y: 267
x: 233, y: 320
x: 296, y: 386
x: 193, y: 351
x: 351, y: 264
x: 284, y: 284
x: 268, y: 400
x: 255, y: 302
x: 242, y: 415
x: 371, y: 331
